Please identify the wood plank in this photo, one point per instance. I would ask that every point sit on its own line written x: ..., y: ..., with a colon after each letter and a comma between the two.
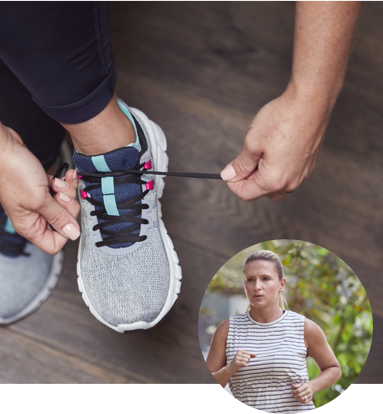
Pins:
x: 26, y: 361
x: 167, y: 353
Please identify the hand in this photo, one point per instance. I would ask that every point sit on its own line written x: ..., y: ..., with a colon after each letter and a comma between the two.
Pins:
x: 303, y: 392
x: 241, y: 359
x: 280, y: 149
x: 25, y: 197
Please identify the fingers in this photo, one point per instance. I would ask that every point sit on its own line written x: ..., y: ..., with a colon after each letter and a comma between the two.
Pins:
x: 66, y: 191
x: 302, y: 393
x: 69, y: 203
x: 242, y: 167
x: 72, y: 178
x: 261, y: 183
x: 67, y: 185
x: 243, y: 357
x: 60, y: 218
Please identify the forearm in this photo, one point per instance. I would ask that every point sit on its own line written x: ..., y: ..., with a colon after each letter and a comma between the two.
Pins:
x: 326, y: 379
x: 223, y: 375
x: 322, y: 41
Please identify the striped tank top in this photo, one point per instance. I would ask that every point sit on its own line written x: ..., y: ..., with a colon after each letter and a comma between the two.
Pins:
x: 281, y: 361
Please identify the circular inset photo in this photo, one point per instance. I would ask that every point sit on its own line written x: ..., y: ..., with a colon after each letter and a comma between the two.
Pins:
x: 285, y: 326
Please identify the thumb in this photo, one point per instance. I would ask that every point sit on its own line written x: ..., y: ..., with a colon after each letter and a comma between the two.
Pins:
x: 240, y: 168
x: 252, y: 355
x: 60, y: 218
x: 296, y: 386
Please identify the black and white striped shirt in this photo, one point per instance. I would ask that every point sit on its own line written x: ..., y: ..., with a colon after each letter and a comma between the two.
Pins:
x: 281, y: 361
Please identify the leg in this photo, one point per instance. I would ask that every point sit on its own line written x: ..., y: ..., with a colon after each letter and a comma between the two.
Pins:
x: 41, y: 134
x: 71, y: 73
x: 107, y: 131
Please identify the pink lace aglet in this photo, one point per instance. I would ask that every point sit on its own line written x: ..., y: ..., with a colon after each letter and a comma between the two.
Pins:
x: 84, y: 194
x: 149, y: 185
x: 148, y: 165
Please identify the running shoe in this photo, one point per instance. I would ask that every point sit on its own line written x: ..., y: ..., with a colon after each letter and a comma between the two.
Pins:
x: 27, y: 274
x: 127, y: 268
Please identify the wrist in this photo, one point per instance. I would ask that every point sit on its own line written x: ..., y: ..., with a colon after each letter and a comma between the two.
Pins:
x: 311, y: 95
x: 312, y: 386
x: 9, y: 142
x: 230, y: 370
x: 4, y: 140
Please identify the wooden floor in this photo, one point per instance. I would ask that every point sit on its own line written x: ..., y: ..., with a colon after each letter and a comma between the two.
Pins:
x: 202, y: 71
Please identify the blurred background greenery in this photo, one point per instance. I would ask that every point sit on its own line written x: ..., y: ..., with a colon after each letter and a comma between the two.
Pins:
x: 321, y: 287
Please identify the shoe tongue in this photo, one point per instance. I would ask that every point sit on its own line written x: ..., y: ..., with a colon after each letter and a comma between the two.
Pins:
x: 122, y: 159
x: 119, y: 160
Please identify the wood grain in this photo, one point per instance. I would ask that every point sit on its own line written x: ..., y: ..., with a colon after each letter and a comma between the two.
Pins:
x: 202, y: 71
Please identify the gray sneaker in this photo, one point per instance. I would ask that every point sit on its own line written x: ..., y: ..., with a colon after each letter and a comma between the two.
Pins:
x: 27, y: 274
x: 127, y: 268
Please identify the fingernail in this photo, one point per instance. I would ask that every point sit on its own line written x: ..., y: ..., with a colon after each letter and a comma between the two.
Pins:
x: 228, y: 173
x: 61, y: 184
x: 65, y: 198
x: 71, y: 231
x: 75, y: 175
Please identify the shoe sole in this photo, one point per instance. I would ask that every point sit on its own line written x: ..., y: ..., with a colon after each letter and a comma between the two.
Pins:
x: 158, y: 149
x: 44, y: 294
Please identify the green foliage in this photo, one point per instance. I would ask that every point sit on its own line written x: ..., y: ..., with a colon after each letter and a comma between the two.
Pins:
x: 324, y: 289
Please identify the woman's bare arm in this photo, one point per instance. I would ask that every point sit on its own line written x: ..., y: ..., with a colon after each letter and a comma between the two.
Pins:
x: 320, y: 351
x: 216, y: 359
x: 282, y: 145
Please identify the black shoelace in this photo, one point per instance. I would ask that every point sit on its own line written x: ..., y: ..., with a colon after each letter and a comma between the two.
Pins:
x: 128, y: 235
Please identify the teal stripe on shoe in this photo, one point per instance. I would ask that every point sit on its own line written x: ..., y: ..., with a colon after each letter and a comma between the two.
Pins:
x: 110, y: 205
x: 129, y: 115
x: 9, y: 227
x: 136, y: 144
x: 107, y: 185
x: 100, y: 163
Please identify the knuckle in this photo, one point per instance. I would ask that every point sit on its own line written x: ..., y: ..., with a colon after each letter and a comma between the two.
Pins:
x: 242, y: 165
x: 58, y: 218
x: 276, y: 183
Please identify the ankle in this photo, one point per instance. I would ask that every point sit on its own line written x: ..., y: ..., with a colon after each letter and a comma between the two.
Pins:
x: 109, y: 130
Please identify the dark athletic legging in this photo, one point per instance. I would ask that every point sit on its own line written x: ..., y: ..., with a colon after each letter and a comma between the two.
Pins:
x: 56, y: 65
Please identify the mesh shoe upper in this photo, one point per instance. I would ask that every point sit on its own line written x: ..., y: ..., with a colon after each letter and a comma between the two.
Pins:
x: 22, y: 276
x: 126, y: 288
x: 127, y: 282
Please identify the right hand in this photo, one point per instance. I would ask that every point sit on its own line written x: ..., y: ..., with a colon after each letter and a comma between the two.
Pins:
x: 280, y: 149
x: 25, y: 197
x: 241, y: 359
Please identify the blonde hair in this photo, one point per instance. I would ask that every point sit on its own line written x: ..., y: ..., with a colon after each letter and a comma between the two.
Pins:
x: 269, y: 256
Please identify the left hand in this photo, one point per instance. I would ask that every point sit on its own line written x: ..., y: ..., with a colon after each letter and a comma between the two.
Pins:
x: 25, y: 196
x: 301, y: 391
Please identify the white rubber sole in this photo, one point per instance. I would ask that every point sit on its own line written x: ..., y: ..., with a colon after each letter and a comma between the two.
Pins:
x: 158, y: 147
x: 44, y: 294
